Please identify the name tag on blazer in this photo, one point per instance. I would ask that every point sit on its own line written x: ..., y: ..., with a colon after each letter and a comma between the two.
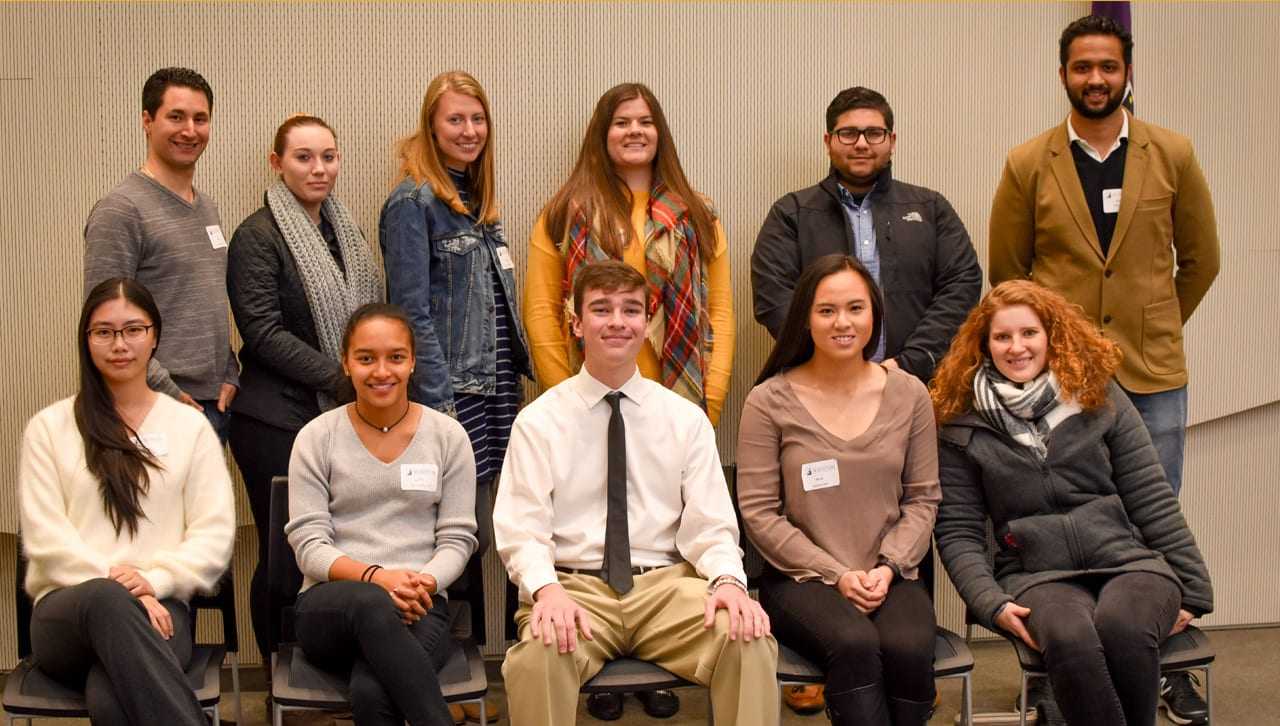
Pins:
x: 419, y: 477
x: 820, y: 475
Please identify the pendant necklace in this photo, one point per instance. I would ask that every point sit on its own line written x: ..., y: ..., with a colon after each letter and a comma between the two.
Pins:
x: 383, y: 429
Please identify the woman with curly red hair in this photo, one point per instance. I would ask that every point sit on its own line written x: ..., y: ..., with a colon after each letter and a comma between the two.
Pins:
x: 1096, y: 565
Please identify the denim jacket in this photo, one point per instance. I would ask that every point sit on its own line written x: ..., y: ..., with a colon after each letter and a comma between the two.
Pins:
x: 439, y: 269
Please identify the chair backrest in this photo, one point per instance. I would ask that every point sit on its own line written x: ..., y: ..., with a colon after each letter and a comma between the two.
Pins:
x: 283, y: 576
x: 22, y: 604
x: 753, y: 563
x: 223, y: 599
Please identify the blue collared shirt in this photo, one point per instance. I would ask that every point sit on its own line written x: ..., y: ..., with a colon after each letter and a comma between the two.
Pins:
x: 864, y: 242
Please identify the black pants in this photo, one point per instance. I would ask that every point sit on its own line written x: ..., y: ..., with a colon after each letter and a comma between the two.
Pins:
x: 262, y: 452
x: 893, y: 646
x: 96, y: 637
x: 354, y: 625
x: 1101, y: 640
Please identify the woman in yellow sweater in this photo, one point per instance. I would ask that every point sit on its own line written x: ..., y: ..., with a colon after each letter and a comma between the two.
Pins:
x: 628, y: 199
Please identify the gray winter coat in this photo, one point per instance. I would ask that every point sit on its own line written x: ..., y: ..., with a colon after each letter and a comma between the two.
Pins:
x: 1099, y: 504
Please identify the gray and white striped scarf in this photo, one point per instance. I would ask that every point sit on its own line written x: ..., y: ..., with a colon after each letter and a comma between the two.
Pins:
x: 1026, y: 412
x: 331, y: 295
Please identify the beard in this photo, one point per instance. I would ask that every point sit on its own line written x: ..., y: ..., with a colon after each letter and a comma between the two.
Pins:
x: 1113, y: 102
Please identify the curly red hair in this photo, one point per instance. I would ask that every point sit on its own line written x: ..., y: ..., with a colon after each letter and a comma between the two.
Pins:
x: 1079, y: 354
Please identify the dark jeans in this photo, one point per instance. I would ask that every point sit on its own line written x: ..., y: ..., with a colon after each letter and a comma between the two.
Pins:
x: 1165, y: 414
x: 893, y: 646
x: 1100, y: 637
x: 219, y: 420
x: 97, y: 637
x: 261, y: 451
x: 354, y: 626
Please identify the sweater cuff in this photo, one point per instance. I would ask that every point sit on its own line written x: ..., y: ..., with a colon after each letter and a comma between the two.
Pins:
x: 161, y: 581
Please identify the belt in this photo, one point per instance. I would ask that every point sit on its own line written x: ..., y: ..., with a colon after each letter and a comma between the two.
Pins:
x: 601, y: 574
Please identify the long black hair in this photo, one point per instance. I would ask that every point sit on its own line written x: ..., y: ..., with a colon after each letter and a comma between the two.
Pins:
x: 795, y: 341
x: 111, y: 450
x: 369, y: 311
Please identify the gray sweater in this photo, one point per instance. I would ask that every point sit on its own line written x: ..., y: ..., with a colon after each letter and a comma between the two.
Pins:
x: 144, y: 231
x: 1099, y: 504
x: 416, y: 513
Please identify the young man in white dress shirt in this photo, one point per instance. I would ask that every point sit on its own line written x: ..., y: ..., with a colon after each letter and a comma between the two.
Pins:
x: 614, y: 521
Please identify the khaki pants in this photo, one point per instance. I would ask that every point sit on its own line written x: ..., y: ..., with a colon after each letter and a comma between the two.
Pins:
x: 660, y: 621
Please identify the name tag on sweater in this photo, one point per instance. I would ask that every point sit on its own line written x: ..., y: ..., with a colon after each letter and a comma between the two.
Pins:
x: 820, y: 475
x: 154, y: 441
x: 215, y: 236
x: 1110, y: 201
x: 419, y: 477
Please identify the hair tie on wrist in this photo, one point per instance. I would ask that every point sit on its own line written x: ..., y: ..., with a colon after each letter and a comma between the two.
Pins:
x: 369, y: 572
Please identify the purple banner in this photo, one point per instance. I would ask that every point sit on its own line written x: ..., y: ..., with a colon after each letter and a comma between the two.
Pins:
x: 1119, y: 12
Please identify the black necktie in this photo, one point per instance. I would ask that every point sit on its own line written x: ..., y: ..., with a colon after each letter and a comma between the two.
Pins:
x: 617, y: 541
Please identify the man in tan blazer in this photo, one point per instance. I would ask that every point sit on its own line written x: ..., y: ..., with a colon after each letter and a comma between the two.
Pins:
x: 1115, y: 214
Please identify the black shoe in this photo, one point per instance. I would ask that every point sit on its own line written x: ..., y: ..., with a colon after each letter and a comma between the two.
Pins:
x: 605, y: 706
x: 1180, y: 701
x: 659, y: 704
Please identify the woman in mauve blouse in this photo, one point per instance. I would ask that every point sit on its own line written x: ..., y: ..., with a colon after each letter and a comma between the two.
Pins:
x: 838, y: 485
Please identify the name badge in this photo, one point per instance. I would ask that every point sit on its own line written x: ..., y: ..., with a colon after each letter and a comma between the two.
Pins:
x: 1110, y: 201
x: 419, y: 477
x: 155, y: 441
x: 215, y: 236
x: 504, y: 258
x: 820, y: 475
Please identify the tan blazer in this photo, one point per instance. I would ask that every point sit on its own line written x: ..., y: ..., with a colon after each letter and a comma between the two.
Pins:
x: 1041, y: 229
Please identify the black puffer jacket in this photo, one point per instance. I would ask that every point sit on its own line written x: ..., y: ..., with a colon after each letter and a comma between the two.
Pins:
x: 282, y: 365
x: 1098, y: 504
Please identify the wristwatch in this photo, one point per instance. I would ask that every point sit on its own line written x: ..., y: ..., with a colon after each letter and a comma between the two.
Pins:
x: 726, y: 579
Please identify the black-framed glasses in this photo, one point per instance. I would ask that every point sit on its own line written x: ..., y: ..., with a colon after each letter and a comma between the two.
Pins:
x: 873, y: 134
x: 107, y: 336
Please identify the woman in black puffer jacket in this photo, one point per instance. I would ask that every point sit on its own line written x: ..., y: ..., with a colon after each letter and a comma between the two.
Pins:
x: 1095, y: 564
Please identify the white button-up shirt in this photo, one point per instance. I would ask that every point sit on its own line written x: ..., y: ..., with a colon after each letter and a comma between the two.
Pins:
x: 552, y: 499
x: 1093, y: 153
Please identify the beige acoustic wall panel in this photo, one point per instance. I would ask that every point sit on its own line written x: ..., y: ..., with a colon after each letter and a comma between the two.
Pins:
x: 744, y: 85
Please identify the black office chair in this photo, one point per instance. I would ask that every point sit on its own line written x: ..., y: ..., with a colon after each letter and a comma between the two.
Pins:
x: 29, y: 693
x: 951, y: 655
x: 296, y: 683
x: 223, y: 599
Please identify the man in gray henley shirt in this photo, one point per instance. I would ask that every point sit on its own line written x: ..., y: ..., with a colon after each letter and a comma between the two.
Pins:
x: 156, y: 228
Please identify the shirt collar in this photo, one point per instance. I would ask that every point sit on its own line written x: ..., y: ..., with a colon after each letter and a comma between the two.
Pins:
x: 593, y: 391
x: 1074, y: 138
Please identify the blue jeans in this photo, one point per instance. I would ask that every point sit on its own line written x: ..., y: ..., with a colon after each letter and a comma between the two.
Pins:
x: 1165, y: 414
x: 219, y: 420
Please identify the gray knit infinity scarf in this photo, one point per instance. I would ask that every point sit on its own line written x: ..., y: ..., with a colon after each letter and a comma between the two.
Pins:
x: 1026, y: 412
x: 331, y: 295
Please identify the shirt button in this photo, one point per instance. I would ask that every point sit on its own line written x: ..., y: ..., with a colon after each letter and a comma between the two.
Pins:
x: 1106, y: 319
x: 1107, y: 273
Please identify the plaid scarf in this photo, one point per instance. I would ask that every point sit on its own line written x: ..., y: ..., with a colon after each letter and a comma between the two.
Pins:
x: 676, y: 277
x: 1026, y: 412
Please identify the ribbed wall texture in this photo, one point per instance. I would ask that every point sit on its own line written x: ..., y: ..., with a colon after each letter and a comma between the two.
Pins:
x: 744, y: 87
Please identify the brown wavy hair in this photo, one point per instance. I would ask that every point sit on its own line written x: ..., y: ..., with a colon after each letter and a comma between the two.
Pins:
x: 1078, y: 353
x: 595, y: 189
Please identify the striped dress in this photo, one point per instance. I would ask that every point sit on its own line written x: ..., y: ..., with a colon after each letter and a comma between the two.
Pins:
x: 488, y: 419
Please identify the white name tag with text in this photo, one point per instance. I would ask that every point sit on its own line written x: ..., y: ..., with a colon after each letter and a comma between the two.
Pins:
x: 820, y: 475
x: 504, y: 258
x: 215, y: 236
x: 1110, y: 201
x: 419, y: 477
x: 157, y: 442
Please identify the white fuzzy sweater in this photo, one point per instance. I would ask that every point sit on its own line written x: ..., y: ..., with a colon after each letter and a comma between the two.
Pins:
x: 182, y: 545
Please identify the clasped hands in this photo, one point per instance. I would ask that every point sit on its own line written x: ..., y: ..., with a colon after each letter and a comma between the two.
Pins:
x: 558, y: 619
x: 140, y: 587
x: 866, y: 590
x: 410, y: 591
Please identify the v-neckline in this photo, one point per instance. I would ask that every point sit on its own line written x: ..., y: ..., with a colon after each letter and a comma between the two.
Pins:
x: 873, y: 426
x: 351, y: 428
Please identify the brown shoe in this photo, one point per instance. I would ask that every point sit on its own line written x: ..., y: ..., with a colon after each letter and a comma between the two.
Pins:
x: 492, y: 711
x: 457, y: 714
x: 804, y: 700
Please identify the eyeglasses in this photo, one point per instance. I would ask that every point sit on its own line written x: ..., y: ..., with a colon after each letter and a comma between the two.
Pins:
x: 107, y: 336
x: 873, y: 134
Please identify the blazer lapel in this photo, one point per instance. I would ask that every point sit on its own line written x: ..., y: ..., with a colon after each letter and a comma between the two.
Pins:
x: 1064, y: 170
x: 1135, y: 174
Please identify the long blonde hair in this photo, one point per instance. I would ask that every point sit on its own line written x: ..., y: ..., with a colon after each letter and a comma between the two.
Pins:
x: 420, y: 158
